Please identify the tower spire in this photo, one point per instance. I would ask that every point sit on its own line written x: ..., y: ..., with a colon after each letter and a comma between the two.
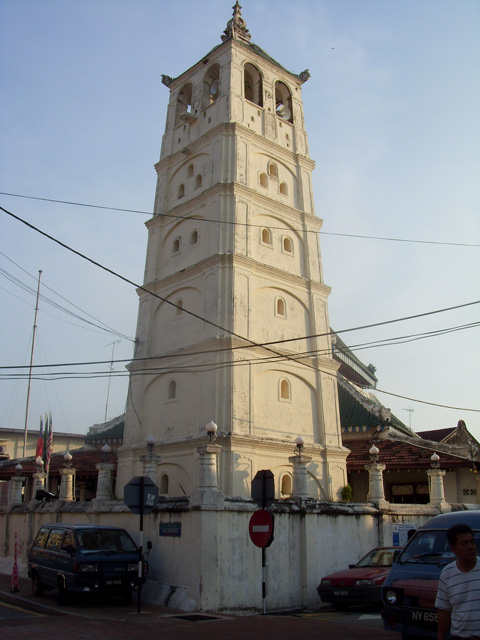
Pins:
x: 236, y: 27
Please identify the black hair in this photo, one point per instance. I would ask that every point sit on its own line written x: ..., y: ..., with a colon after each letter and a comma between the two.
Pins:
x: 455, y: 530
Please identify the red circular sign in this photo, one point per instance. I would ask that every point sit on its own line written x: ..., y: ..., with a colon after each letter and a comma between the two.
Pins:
x: 260, y: 528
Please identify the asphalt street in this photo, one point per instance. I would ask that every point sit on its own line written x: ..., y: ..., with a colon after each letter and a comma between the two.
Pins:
x: 26, y: 617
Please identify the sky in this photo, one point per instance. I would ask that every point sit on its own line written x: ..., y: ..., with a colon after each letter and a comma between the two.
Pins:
x: 392, y: 112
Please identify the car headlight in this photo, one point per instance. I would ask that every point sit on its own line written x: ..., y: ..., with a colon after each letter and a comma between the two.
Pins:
x: 362, y: 583
x: 132, y: 566
x: 326, y: 583
x: 391, y: 597
x: 88, y: 568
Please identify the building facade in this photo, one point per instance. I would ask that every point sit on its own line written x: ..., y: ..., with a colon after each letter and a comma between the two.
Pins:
x: 233, y: 318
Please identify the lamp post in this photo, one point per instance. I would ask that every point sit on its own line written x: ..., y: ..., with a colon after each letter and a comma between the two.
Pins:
x: 299, y: 462
x: 376, y: 491
x: 437, y: 494
x: 150, y: 460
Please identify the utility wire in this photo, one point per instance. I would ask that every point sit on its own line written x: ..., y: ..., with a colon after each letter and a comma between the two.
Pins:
x: 252, y: 343
x: 244, y: 224
x: 385, y: 342
x: 104, y: 326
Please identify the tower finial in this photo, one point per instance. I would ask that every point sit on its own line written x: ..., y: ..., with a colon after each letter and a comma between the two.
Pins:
x: 236, y: 27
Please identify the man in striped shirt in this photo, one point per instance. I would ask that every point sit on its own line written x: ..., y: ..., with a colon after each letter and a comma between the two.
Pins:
x: 458, y: 596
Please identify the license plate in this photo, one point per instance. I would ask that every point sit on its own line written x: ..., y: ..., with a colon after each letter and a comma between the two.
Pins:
x: 424, y: 616
x: 341, y: 592
x: 110, y: 582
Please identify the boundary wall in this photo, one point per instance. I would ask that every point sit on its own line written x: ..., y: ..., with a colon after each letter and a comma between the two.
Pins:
x: 203, y: 559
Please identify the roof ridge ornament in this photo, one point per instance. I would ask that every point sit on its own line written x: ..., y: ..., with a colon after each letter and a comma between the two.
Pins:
x: 236, y: 27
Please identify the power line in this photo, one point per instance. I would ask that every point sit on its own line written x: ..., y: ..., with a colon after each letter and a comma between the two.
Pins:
x: 385, y: 342
x: 243, y: 224
x: 183, y: 309
x: 24, y: 286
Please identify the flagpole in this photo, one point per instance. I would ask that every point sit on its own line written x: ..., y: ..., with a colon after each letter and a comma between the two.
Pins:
x: 31, y: 365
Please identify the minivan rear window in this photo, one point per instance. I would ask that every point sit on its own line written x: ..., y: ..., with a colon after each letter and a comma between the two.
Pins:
x: 105, y: 540
x: 41, y: 539
x: 55, y: 539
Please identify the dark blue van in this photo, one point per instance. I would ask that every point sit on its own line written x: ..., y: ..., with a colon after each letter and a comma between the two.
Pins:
x: 410, y: 589
x: 83, y: 559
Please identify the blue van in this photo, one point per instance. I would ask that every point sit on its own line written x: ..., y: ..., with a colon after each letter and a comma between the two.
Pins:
x: 410, y: 589
x: 84, y: 559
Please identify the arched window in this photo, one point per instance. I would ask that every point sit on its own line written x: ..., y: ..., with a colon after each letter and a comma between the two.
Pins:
x: 164, y: 485
x: 283, y: 102
x: 211, y: 85
x: 286, y: 485
x: 172, y: 390
x: 280, y: 308
x: 253, y: 84
x: 184, y: 103
x: 198, y: 181
x: 179, y: 307
x: 190, y: 171
x: 283, y: 188
x: 176, y: 245
x: 287, y: 245
x: 266, y: 236
x: 272, y: 170
x: 181, y: 190
x: 285, y: 390
x: 263, y: 180
x: 194, y: 237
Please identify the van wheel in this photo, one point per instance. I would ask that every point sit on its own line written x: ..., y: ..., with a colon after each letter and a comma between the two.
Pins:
x: 37, y: 587
x: 63, y: 595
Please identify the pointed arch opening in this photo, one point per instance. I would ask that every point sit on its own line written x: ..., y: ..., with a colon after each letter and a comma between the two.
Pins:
x: 272, y: 170
x: 253, y: 85
x: 285, y: 390
x: 287, y: 245
x: 266, y: 236
x: 172, y: 390
x: 280, y: 308
x: 194, y: 237
x: 164, y: 482
x: 176, y: 245
x: 283, y: 188
x: 286, y: 486
x: 184, y: 103
x: 198, y: 181
x: 211, y: 85
x: 283, y: 101
x: 181, y: 190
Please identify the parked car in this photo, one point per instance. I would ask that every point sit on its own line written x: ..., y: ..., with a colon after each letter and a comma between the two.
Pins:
x: 360, y: 583
x: 83, y: 559
x: 410, y: 589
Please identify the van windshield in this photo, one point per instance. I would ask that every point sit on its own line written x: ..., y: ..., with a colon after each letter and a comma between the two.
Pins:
x: 105, y: 540
x: 430, y: 547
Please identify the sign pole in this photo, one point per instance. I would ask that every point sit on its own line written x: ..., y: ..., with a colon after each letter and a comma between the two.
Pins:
x: 264, y: 586
x: 140, y: 546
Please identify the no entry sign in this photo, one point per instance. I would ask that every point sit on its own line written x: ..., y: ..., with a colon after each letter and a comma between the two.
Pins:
x: 260, y: 528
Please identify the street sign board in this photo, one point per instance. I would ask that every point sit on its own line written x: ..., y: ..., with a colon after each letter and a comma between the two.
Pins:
x: 140, y: 494
x: 263, y: 488
x: 260, y: 528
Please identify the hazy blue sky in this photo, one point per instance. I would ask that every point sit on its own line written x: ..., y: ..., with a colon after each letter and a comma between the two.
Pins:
x: 392, y: 112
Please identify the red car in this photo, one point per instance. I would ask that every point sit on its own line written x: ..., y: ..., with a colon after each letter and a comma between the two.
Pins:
x: 361, y: 583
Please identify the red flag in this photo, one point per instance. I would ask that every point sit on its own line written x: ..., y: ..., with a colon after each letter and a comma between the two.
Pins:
x: 39, y: 451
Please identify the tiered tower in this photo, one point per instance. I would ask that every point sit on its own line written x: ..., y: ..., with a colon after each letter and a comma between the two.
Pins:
x: 233, y: 320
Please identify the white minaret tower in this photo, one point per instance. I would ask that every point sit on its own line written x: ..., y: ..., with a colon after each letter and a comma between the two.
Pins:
x: 236, y: 331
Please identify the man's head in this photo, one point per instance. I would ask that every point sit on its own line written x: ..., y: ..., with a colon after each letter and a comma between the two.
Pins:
x: 462, y: 543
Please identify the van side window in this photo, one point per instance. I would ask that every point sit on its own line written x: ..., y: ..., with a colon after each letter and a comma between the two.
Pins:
x: 67, y: 544
x: 55, y: 540
x: 41, y: 539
